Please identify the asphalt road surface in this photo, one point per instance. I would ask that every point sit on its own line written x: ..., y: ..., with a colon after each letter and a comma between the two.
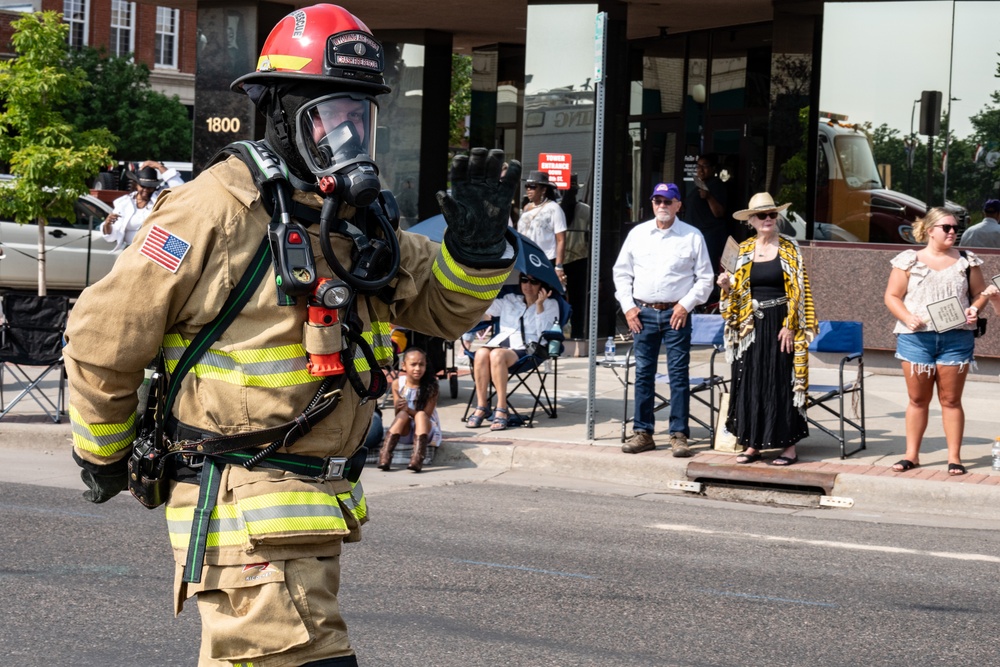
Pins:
x: 520, y: 574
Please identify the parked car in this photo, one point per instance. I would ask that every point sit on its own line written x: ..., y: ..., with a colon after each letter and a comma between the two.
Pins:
x: 76, y: 253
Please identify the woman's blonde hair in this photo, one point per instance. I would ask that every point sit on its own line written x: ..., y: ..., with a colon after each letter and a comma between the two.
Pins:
x: 922, y: 227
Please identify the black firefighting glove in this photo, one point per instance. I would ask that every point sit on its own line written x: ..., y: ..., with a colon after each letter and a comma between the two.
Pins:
x: 478, y: 209
x: 104, y: 485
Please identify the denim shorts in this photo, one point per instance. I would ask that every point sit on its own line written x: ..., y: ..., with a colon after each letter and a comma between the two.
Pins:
x: 928, y: 348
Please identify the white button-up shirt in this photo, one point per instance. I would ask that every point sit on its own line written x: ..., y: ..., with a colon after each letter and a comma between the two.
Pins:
x: 511, y: 308
x: 663, y: 265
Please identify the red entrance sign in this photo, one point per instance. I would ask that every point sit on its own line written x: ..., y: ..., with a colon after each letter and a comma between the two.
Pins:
x: 559, y: 167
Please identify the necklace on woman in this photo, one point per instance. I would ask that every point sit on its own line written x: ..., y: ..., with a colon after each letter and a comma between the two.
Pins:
x: 763, y: 249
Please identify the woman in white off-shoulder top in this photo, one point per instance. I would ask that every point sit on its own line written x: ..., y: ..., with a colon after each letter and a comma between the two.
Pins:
x: 933, y: 357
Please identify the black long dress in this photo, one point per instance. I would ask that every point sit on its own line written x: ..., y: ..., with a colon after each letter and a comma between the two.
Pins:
x: 761, y: 412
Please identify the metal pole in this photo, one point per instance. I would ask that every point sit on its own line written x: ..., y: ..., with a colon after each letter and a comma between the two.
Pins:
x: 600, y: 60
x: 930, y: 169
x: 947, y: 129
x: 913, y: 150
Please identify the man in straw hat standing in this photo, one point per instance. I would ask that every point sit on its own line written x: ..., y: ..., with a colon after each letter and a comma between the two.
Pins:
x: 661, y: 274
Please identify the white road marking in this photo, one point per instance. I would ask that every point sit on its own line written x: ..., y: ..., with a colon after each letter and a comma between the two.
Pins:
x: 681, y: 528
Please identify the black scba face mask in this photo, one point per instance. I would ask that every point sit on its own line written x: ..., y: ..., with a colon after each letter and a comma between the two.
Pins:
x: 335, y: 137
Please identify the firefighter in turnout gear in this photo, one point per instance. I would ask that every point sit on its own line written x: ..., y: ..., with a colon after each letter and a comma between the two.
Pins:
x: 257, y: 456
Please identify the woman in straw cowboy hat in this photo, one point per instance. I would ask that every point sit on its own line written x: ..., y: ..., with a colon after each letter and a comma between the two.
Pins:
x: 769, y: 321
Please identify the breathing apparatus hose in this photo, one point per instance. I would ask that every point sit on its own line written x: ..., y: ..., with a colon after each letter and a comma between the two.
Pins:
x: 369, y: 255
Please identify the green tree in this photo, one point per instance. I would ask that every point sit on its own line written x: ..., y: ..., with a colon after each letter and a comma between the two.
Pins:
x: 461, y: 98
x: 50, y: 159
x: 149, y: 124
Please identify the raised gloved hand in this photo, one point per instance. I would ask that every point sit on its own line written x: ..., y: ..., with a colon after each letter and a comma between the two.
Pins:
x: 102, y: 488
x: 478, y: 209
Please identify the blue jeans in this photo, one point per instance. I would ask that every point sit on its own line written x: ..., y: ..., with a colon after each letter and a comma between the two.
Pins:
x: 656, y: 331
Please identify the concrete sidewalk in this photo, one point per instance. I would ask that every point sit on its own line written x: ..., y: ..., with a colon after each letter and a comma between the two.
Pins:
x: 29, y: 444
x: 560, y: 446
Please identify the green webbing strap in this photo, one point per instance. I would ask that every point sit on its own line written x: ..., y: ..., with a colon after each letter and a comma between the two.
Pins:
x: 211, y: 331
x: 211, y: 480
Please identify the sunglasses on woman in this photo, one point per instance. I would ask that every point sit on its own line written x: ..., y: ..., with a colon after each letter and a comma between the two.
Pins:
x: 947, y: 229
x: 531, y: 186
x: 764, y: 216
x: 530, y: 281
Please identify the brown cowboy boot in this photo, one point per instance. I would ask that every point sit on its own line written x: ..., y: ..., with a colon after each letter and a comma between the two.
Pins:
x: 385, y: 456
x: 419, y: 450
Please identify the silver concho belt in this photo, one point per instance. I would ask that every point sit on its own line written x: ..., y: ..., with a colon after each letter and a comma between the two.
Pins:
x: 758, y: 306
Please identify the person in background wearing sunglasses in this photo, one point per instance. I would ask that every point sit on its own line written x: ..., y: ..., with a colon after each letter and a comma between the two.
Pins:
x: 523, y: 318
x: 769, y: 322
x: 931, y: 357
x: 661, y: 274
x: 543, y: 221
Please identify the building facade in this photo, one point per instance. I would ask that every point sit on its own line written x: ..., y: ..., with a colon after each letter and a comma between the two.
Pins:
x: 861, y: 114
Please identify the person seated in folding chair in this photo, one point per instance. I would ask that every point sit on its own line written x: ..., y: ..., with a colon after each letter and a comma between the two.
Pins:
x: 769, y: 321
x: 523, y: 318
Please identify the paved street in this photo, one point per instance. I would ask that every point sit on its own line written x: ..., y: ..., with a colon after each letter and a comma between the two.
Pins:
x: 536, y: 546
x: 525, y: 570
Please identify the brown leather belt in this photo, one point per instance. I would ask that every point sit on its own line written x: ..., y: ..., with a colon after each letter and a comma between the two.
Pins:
x: 656, y: 306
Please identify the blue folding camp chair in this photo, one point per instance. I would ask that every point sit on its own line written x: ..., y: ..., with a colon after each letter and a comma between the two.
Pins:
x: 530, y: 373
x: 844, y: 338
x: 706, y: 331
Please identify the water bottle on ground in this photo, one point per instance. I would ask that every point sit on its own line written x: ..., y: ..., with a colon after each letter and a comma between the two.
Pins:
x: 609, y: 349
x: 996, y: 454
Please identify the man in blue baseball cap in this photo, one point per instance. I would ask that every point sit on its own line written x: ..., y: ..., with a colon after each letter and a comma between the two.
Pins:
x: 985, y: 234
x: 661, y: 274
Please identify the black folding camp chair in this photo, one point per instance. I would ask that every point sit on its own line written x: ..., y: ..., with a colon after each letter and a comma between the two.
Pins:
x: 31, y: 342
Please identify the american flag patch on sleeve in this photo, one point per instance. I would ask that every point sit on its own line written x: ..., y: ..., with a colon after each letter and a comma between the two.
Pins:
x: 164, y: 248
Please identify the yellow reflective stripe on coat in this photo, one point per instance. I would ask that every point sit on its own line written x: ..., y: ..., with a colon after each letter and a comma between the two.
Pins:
x: 101, y: 439
x: 354, y: 501
x: 281, y: 366
x: 454, y: 278
x: 380, y: 339
x: 282, y: 513
x: 225, y: 528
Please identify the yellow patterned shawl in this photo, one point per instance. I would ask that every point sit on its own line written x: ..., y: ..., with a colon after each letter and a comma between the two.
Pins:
x: 737, y: 310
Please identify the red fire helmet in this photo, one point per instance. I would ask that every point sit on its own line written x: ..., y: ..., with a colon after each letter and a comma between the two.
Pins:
x: 324, y: 44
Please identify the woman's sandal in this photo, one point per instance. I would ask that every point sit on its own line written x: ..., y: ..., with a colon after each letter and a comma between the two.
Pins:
x: 783, y: 461
x: 904, y: 465
x: 499, y: 423
x: 956, y: 469
x: 475, y: 421
x: 748, y: 458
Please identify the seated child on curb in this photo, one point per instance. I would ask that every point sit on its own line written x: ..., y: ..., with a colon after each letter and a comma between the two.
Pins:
x: 414, y: 395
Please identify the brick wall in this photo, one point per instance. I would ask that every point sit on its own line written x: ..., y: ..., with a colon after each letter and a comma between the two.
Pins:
x: 145, y: 37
